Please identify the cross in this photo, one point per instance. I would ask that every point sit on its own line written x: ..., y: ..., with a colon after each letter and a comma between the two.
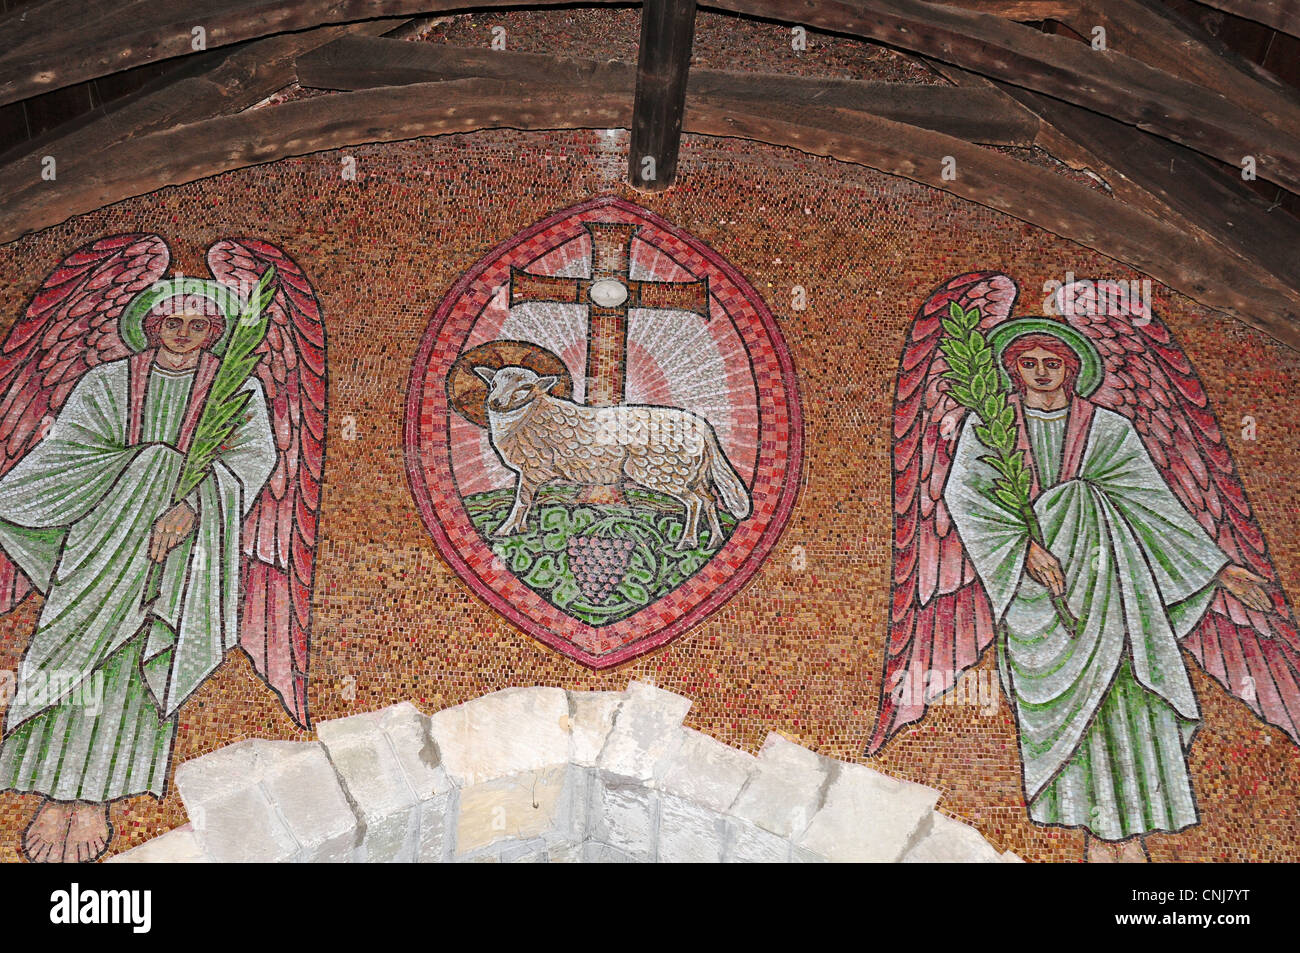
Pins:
x: 609, y: 294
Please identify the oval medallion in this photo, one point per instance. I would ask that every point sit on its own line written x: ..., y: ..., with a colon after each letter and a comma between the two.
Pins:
x: 603, y: 434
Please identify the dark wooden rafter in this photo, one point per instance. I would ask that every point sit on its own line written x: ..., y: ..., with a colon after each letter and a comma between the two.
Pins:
x: 1020, y: 10
x: 1149, y: 31
x: 1183, y: 185
x: 56, y: 43
x: 1154, y: 246
x: 978, y: 115
x: 1163, y: 180
x: 1104, y: 81
x: 60, y: 44
x: 663, y: 65
x: 218, y: 83
x: 1281, y: 15
x: 1154, y: 174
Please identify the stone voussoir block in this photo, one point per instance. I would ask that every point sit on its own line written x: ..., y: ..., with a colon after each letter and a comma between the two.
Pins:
x: 646, y: 732
x: 502, y: 734
x: 706, y: 772
x: 785, y: 789
x: 520, y: 807
x: 689, y: 832
x: 868, y: 817
x: 951, y: 842
x: 268, y: 801
x: 391, y: 771
x: 623, y: 813
x: 591, y: 718
x: 747, y: 843
x: 180, y: 846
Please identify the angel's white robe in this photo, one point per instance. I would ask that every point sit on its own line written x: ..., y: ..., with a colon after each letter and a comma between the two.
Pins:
x: 97, y: 692
x: 1106, y: 717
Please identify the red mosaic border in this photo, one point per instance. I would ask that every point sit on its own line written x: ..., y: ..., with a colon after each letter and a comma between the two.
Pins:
x: 427, y: 454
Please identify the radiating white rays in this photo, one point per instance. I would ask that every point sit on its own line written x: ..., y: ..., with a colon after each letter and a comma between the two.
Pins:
x: 609, y: 158
x: 570, y: 260
x: 676, y: 359
x: 475, y: 464
x: 560, y: 328
x: 689, y: 370
x: 650, y: 264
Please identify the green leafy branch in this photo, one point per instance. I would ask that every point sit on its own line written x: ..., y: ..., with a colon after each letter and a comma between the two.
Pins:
x: 976, y: 384
x: 227, y: 399
x: 224, y: 408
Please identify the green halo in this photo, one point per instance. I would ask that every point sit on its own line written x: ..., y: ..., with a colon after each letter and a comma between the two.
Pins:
x: 1091, y: 369
x: 131, y: 324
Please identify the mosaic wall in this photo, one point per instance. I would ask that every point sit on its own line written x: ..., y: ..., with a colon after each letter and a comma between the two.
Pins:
x: 748, y: 552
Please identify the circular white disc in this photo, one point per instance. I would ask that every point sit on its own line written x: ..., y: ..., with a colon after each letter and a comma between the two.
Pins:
x: 608, y: 293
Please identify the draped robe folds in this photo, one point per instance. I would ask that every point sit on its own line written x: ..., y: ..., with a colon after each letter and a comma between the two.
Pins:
x: 93, y: 717
x: 1105, y: 717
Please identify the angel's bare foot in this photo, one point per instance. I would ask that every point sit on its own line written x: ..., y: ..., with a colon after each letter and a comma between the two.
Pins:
x: 1098, y: 851
x: 1134, y: 852
x: 88, y: 833
x: 43, y: 843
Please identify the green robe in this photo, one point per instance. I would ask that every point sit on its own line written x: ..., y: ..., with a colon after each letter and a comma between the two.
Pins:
x: 1105, y: 718
x: 94, y: 714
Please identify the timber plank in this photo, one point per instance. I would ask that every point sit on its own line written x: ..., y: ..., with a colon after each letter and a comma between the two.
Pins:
x: 1106, y: 82
x: 663, y: 65
x: 979, y: 115
x: 1158, y: 248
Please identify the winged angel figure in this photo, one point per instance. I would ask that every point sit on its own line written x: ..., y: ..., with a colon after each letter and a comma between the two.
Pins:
x: 1145, y: 545
x: 105, y: 381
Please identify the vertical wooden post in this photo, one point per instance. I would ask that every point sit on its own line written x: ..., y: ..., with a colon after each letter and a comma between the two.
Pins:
x: 667, y: 31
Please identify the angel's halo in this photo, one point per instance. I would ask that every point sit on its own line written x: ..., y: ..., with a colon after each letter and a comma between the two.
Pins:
x: 1091, y: 368
x: 131, y: 324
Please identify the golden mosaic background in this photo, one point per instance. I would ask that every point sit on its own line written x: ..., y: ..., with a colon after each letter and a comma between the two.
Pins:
x: 798, y: 651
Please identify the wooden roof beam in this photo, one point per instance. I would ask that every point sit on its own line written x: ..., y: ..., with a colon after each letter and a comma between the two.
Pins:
x: 219, y: 83
x: 1149, y: 31
x: 1184, y: 183
x: 174, y: 156
x: 57, y: 44
x: 1281, y: 15
x: 1106, y: 82
x: 663, y: 65
x: 977, y: 115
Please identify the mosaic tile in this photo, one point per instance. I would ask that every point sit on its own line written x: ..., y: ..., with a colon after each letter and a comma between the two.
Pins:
x: 665, y: 406
x: 802, y: 647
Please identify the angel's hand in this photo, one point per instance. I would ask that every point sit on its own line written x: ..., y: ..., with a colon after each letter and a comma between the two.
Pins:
x: 1246, y: 586
x: 169, y: 529
x: 1045, y: 569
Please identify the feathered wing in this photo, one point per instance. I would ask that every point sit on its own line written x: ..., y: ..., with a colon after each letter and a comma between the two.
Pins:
x: 69, y: 327
x: 940, y: 620
x: 279, y: 537
x: 1254, y: 655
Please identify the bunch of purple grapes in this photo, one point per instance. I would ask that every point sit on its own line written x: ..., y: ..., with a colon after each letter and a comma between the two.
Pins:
x: 598, y: 564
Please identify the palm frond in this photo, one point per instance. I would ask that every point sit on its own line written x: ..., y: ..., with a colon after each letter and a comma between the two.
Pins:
x: 227, y: 398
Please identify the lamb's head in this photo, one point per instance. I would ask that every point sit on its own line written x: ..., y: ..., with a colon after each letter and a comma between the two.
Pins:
x: 510, y: 388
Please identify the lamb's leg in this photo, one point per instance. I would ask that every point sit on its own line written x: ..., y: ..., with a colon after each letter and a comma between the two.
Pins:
x: 711, y: 508
x: 517, y: 521
x: 691, y: 532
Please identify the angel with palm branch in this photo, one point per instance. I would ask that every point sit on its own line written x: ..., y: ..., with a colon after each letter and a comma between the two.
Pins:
x: 159, y: 482
x: 1062, y: 491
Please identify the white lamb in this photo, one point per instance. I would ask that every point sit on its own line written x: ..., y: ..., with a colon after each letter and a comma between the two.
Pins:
x: 546, y: 439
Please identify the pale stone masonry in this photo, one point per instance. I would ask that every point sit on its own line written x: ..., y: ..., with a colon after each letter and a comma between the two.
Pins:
x: 545, y: 775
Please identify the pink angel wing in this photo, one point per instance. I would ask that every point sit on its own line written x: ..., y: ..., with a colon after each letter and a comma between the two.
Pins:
x: 1254, y: 655
x: 280, y: 529
x: 69, y: 327
x: 940, y: 619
